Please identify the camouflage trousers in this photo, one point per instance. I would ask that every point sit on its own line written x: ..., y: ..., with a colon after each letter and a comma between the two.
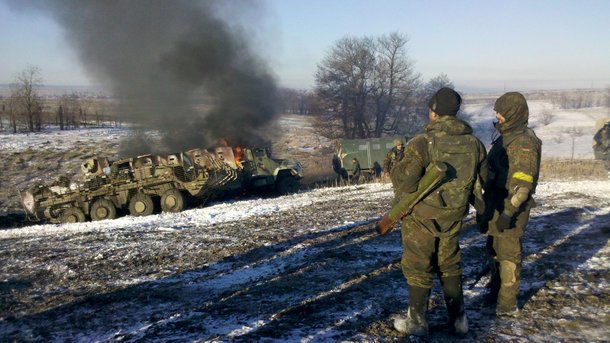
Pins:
x: 426, y: 254
x: 505, y: 261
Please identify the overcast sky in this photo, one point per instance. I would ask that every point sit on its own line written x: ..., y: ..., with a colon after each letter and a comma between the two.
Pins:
x: 480, y: 45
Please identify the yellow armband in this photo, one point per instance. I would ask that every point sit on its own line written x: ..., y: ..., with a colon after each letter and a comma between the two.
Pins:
x: 523, y: 177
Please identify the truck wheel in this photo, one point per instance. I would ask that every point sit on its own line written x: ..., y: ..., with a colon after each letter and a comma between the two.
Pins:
x: 141, y: 205
x: 102, y: 209
x: 72, y: 215
x: 287, y: 185
x: 172, y: 201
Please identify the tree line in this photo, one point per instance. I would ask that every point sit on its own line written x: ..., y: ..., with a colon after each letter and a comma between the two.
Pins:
x: 25, y: 110
x: 364, y: 87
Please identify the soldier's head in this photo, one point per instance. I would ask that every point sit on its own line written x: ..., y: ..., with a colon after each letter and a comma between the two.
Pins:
x: 398, y: 144
x: 445, y: 102
x: 512, y: 112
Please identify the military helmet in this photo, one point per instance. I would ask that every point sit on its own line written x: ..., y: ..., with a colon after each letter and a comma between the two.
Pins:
x: 397, y: 142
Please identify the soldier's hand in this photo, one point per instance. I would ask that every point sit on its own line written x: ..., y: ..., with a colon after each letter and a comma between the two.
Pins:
x: 503, y: 222
x: 384, y: 226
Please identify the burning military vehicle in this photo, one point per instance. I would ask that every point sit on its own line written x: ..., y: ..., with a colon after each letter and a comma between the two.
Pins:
x: 257, y: 170
x: 140, y: 185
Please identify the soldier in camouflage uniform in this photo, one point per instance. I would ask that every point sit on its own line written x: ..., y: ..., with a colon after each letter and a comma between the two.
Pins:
x: 430, y: 231
x: 514, y: 164
x: 356, y: 171
x: 601, y: 143
x: 395, y: 155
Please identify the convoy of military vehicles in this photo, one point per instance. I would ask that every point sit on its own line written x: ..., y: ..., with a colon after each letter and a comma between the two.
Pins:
x: 146, y: 184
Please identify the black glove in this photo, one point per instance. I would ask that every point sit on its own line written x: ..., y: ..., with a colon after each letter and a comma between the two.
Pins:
x: 503, y: 222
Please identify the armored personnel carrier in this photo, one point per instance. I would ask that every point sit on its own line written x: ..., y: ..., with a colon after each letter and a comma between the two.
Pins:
x: 133, y: 184
x: 255, y: 169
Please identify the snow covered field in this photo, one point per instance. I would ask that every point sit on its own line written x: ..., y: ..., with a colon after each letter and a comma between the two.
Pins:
x: 556, y: 136
x: 306, y: 267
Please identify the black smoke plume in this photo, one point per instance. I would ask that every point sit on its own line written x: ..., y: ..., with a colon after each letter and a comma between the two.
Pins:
x: 175, y: 65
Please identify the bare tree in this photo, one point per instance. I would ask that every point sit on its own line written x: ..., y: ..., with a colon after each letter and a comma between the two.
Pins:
x: 546, y: 116
x: 60, y: 116
x: 344, y: 83
x: 10, y: 106
x: 365, y: 87
x: 25, y: 92
x: 296, y: 101
x: 573, y: 132
x: 395, y: 86
x: 424, y: 94
x: 71, y: 110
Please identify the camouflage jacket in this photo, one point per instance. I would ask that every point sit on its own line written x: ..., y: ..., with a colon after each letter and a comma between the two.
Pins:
x: 601, y: 143
x: 514, y: 163
x: 448, y: 140
x: 392, y: 158
x: 356, y: 169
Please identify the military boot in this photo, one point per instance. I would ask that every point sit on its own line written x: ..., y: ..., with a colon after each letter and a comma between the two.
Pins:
x: 415, y: 324
x: 454, y: 298
x: 491, y: 297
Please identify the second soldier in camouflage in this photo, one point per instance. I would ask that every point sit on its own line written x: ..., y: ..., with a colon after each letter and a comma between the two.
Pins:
x: 514, y: 164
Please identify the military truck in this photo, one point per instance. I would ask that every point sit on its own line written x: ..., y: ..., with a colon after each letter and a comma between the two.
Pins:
x: 132, y: 184
x: 256, y: 170
x: 370, y: 153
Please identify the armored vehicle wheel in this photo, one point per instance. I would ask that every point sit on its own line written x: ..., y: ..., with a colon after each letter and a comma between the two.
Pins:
x: 172, y: 201
x: 72, y: 215
x: 287, y: 185
x: 102, y: 209
x: 141, y: 205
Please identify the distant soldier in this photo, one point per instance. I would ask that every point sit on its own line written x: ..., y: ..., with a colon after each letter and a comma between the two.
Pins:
x: 514, y: 164
x: 356, y: 171
x: 377, y: 169
x: 341, y: 172
x: 601, y: 143
x: 430, y: 233
x: 395, y: 155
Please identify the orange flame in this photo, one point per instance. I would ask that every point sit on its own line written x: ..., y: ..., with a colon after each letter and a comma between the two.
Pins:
x: 238, y: 153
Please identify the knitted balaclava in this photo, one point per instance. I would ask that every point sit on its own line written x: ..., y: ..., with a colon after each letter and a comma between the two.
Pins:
x: 513, y: 107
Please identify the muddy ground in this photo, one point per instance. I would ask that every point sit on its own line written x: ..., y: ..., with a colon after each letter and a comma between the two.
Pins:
x: 315, y: 271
